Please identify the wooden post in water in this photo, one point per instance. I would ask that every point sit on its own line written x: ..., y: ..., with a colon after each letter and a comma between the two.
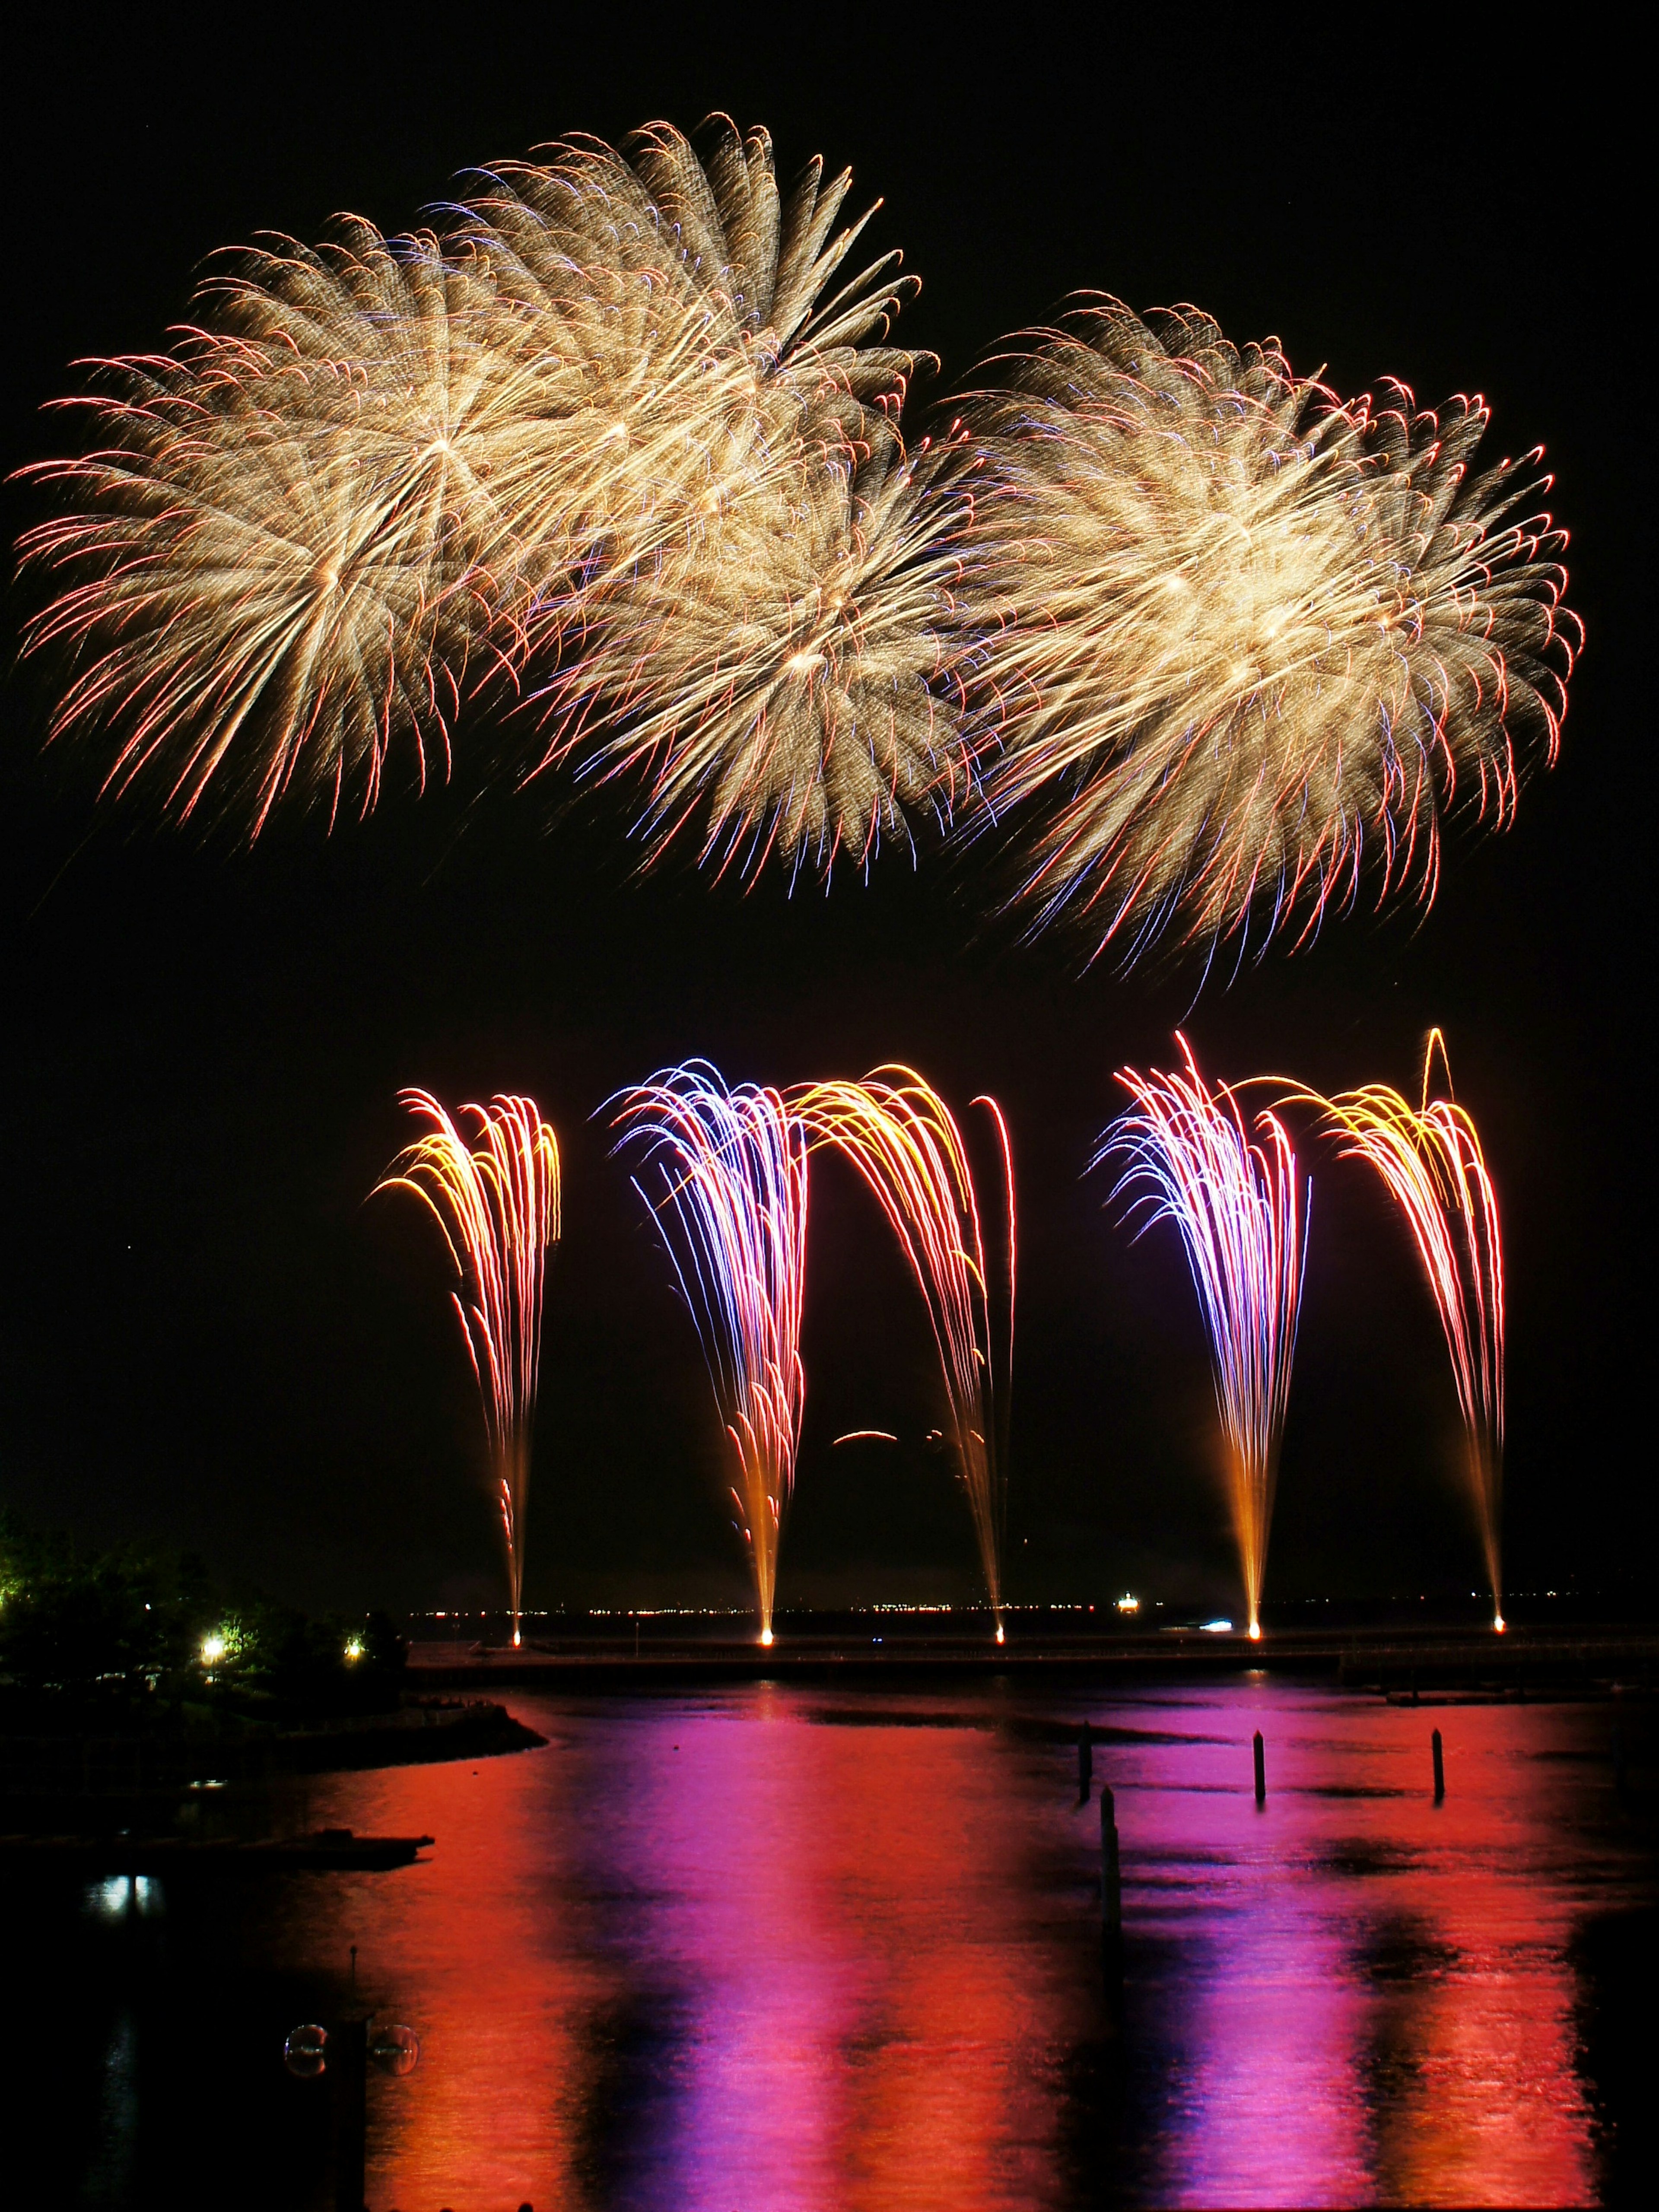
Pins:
x: 1439, y: 1768
x: 1111, y: 1874
x: 1261, y: 1771
x: 1085, y: 1763
x: 348, y: 2063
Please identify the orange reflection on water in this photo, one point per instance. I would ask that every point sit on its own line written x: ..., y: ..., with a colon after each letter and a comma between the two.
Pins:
x: 479, y: 1950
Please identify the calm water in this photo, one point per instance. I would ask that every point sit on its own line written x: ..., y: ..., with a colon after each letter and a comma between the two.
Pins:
x: 780, y: 1948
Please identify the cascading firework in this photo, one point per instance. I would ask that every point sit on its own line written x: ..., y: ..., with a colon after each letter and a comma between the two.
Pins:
x: 905, y: 1143
x: 1187, y: 1157
x: 497, y: 1205
x: 1429, y: 1159
x: 1245, y: 643
x: 725, y: 1177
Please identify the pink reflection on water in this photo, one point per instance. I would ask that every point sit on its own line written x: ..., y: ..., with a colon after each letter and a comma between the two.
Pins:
x: 845, y: 1918
x: 851, y: 1944
x: 1387, y: 2010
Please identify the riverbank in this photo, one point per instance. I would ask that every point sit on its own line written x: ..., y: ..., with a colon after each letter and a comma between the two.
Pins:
x: 150, y: 1782
x: 1579, y: 1661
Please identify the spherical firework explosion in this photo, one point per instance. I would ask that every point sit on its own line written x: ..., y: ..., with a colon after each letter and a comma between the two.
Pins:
x: 608, y: 436
x: 497, y: 1204
x: 271, y: 570
x: 1245, y: 643
x: 757, y: 601
x: 1213, y: 646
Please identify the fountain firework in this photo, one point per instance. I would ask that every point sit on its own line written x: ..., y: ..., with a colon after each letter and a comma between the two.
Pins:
x: 730, y: 1166
x: 1188, y: 1158
x: 904, y: 1141
x: 1430, y: 1158
x: 497, y: 1205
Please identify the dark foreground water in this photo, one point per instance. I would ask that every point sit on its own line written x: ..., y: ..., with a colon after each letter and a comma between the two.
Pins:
x: 778, y: 1946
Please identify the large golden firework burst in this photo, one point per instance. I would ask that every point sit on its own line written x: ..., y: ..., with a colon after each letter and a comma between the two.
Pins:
x: 755, y: 590
x: 274, y: 566
x: 1246, y: 643
x: 624, y: 434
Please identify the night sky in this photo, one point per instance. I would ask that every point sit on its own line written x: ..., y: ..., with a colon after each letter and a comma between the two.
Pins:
x: 209, y: 1338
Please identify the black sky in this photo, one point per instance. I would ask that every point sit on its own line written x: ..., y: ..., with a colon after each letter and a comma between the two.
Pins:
x: 207, y: 1337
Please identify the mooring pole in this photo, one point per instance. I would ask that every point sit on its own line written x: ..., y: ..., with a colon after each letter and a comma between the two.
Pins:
x: 348, y: 2063
x: 1261, y: 1771
x: 1085, y: 1763
x: 1439, y: 1768
x: 1111, y: 1874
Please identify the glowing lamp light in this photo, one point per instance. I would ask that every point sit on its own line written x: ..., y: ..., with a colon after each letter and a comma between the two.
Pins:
x: 1126, y: 1603
x: 213, y: 1647
x: 1216, y: 1627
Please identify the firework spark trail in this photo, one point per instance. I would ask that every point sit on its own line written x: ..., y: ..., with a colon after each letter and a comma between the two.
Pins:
x: 497, y: 1204
x: 728, y: 1166
x: 905, y: 1143
x: 1430, y: 1158
x: 1245, y: 643
x: 765, y: 613
x: 1187, y: 1157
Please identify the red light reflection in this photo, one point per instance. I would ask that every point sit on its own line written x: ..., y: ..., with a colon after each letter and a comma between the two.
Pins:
x: 748, y: 1949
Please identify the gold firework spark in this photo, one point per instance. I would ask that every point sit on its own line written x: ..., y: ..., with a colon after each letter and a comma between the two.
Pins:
x: 1246, y: 644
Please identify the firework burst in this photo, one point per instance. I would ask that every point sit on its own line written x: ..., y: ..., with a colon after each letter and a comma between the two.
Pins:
x: 497, y: 1205
x: 623, y: 437
x: 727, y: 1171
x: 276, y: 565
x: 905, y: 1143
x: 1429, y: 1159
x: 1187, y: 1157
x: 1247, y: 645
x: 754, y: 606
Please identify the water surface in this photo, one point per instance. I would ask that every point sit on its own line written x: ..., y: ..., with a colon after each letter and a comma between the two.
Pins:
x: 784, y: 1947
